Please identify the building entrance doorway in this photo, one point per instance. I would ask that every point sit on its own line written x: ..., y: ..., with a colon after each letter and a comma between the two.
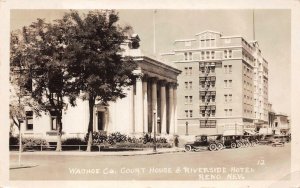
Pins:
x: 100, y: 121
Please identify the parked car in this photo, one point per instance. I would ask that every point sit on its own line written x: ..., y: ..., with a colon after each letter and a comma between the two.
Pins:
x: 210, y: 142
x: 232, y: 141
x: 266, y: 139
x: 251, y: 140
x: 281, y: 138
x: 277, y: 141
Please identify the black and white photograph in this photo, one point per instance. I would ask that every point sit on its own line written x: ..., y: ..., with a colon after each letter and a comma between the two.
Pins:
x: 150, y: 94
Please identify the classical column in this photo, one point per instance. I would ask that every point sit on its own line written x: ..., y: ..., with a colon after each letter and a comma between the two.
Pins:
x: 131, y: 109
x: 175, y: 107
x: 171, y: 109
x: 145, y: 105
x: 138, y: 105
x: 154, y: 100
x: 163, y: 115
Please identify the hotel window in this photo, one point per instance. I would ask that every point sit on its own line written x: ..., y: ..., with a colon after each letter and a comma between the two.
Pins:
x: 226, y: 112
x: 202, y: 55
x: 213, y: 98
x: 191, y: 113
x: 191, y: 99
x: 213, y: 83
x: 186, y: 99
x: 207, y: 42
x: 185, y: 56
x: 225, y: 97
x: 230, y: 112
x: 213, y: 42
x: 213, y: 54
x: 191, y: 85
x: 212, y: 69
x: 213, y: 113
x: 230, y: 54
x: 203, y: 98
x: 190, y: 70
x: 186, y: 70
x: 225, y: 69
x: 230, y: 98
x: 190, y: 55
x: 202, y: 43
x: 186, y: 85
x: 203, y: 113
x: 186, y: 113
x: 229, y: 83
x: 202, y: 69
x: 225, y: 54
x: 202, y: 84
x: 225, y: 83
x: 229, y: 69
x: 29, y: 120
x: 207, y: 55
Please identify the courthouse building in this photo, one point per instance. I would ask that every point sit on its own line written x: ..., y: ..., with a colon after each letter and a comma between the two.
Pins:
x: 223, y: 85
x: 153, y: 97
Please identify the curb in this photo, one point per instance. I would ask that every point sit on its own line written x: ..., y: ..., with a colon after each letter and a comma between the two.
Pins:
x: 97, y: 153
x: 12, y: 167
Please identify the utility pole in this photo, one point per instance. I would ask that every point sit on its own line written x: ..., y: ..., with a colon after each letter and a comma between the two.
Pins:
x: 235, y: 128
x: 186, y: 128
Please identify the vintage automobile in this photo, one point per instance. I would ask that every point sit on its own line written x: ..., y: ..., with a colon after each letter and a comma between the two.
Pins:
x: 249, y: 140
x: 281, y: 138
x: 277, y: 140
x: 210, y: 142
x: 266, y: 139
x: 232, y: 141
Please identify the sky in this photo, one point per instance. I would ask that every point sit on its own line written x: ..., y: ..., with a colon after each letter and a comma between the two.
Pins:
x: 272, y: 31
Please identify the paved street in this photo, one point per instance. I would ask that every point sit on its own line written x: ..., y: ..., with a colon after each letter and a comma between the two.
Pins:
x: 256, y: 163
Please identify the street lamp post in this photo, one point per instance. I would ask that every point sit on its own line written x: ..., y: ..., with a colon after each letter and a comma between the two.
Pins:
x: 154, y: 136
x: 186, y: 128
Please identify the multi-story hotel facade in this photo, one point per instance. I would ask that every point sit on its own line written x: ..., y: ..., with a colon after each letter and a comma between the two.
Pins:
x: 223, y: 85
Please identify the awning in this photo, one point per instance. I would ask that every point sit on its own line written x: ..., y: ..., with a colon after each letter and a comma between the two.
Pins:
x: 250, y: 132
x: 265, y: 131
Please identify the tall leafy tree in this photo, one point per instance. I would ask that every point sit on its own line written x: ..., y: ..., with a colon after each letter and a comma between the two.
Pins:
x: 40, y: 60
x: 95, y: 59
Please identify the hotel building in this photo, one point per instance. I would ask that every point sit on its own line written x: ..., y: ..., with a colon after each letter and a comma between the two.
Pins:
x: 223, y: 85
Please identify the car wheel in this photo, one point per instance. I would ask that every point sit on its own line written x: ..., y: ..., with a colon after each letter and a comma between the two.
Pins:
x: 212, y: 147
x: 233, y: 145
x: 238, y: 145
x: 188, y: 148
x: 252, y: 144
x: 220, y: 146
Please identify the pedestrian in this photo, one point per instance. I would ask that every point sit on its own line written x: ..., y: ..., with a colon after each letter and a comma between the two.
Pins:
x: 176, y: 141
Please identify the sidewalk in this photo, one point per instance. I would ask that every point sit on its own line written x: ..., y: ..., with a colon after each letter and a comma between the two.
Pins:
x: 104, y: 153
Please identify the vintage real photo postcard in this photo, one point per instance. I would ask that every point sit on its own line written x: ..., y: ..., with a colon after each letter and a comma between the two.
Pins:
x: 140, y: 96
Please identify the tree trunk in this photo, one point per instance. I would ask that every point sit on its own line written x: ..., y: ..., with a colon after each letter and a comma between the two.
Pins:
x: 20, y: 143
x: 59, y: 131
x: 90, y: 128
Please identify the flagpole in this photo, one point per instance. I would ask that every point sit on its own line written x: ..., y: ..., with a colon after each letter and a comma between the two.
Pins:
x: 154, y: 33
x: 253, y: 20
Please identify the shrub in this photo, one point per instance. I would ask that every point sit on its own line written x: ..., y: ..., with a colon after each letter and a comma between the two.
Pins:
x: 31, y: 142
x: 116, y: 138
x: 142, y: 145
x: 98, y: 137
x: 73, y: 141
x: 13, y: 140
